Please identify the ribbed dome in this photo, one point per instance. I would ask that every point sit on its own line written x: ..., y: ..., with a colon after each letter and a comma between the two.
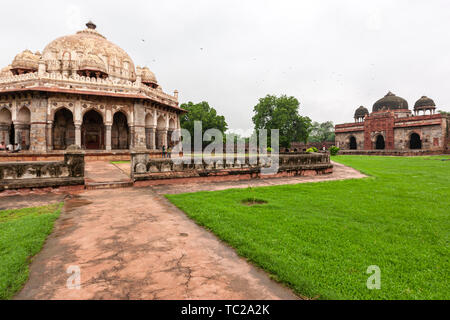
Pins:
x: 148, y: 77
x: 5, y: 72
x: 85, y: 44
x: 26, y: 60
x: 390, y: 102
x: 361, y: 112
x: 424, y: 102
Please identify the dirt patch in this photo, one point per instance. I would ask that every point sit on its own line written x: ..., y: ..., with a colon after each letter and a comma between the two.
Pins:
x: 253, y: 202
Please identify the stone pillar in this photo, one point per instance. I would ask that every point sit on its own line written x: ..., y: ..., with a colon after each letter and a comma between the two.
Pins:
x: 153, y: 138
x: 78, y: 135
x: 108, y: 137
x: 74, y: 159
x: 132, y: 137
x: 49, y: 135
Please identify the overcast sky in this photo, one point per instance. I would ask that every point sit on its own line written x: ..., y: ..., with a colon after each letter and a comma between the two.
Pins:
x: 332, y: 55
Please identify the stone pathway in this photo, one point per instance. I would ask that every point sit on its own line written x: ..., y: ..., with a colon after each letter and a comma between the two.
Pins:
x: 133, y: 244
x: 104, y: 171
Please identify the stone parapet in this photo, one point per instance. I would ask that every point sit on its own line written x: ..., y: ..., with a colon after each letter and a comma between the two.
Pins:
x: 146, y: 168
x: 38, y: 174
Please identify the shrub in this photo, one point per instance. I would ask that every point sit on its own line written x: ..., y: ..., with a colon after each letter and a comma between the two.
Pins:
x: 312, y: 149
x: 269, y: 149
x: 334, y: 150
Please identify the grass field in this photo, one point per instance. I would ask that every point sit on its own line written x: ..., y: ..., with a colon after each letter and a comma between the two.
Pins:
x: 320, y: 238
x: 22, y: 234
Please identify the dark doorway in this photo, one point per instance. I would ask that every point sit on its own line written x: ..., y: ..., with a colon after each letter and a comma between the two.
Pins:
x: 93, y: 131
x: 119, y: 132
x: 415, y: 142
x: 63, y: 129
x: 353, y: 145
x: 12, y: 135
x: 380, y: 143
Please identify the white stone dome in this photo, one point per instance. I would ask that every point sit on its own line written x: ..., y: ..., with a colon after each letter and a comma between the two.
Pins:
x: 89, y: 45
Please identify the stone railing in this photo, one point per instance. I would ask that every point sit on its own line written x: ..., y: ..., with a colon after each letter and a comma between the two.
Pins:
x: 86, y: 83
x: 38, y: 174
x: 294, y: 164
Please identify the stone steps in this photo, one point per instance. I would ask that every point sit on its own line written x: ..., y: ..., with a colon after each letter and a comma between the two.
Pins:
x: 108, y: 185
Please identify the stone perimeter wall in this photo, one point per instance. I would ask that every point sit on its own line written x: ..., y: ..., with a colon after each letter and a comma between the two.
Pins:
x: 39, y: 174
x: 155, y: 171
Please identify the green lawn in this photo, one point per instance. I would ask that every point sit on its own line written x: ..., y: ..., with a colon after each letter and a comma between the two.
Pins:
x: 22, y: 235
x: 320, y: 238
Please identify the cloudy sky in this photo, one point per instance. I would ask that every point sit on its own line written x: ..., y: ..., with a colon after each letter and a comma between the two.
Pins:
x: 332, y: 55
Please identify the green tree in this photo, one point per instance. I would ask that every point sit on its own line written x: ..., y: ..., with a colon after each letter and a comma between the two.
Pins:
x: 281, y: 113
x: 320, y: 132
x: 204, y: 113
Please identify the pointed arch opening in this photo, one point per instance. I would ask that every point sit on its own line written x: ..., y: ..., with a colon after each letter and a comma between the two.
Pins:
x: 120, y: 137
x: 380, y: 144
x: 22, y: 128
x: 6, y: 127
x: 63, y: 129
x: 414, y: 141
x: 352, y: 143
x: 93, y: 131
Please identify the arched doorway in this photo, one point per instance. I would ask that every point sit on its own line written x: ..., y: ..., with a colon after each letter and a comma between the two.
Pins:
x: 93, y: 131
x: 6, y: 127
x: 22, y: 128
x: 379, y: 144
x: 353, y: 145
x: 63, y: 129
x: 415, y: 142
x: 119, y: 132
x: 161, y: 133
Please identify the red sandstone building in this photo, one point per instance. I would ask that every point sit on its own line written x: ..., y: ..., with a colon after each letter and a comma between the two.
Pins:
x: 393, y: 127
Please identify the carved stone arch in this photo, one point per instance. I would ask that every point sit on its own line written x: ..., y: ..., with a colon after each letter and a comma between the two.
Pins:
x: 63, y: 128
x: 97, y: 109
x: 57, y: 108
x: 24, y: 114
x: 5, y: 114
x: 415, y: 140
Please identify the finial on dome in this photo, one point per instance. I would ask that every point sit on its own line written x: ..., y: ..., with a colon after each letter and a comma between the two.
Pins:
x: 91, y: 25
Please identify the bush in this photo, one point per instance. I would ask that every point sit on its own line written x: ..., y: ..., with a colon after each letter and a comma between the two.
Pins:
x: 269, y: 149
x: 334, y: 150
x: 312, y: 149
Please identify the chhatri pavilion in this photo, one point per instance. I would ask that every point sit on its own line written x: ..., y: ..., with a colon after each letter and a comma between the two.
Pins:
x: 84, y: 90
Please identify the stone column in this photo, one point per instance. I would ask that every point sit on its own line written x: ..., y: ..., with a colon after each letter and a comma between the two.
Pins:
x: 108, y: 137
x: 132, y: 137
x: 152, y: 138
x: 49, y: 135
x: 78, y: 135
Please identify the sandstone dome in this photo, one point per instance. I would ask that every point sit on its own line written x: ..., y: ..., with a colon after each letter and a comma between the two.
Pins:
x: 424, y: 102
x: 361, y: 112
x: 148, y: 77
x: 390, y: 102
x: 26, y: 60
x: 73, y: 52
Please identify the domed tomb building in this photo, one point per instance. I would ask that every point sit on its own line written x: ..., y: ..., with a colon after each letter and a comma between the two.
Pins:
x: 391, y: 126
x: 84, y: 90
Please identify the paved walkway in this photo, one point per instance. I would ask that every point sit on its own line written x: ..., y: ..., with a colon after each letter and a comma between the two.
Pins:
x: 133, y: 244
x: 104, y: 171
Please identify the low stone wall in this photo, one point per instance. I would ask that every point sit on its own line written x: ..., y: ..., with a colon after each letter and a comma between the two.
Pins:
x: 40, y: 174
x: 158, y: 171
x: 398, y: 153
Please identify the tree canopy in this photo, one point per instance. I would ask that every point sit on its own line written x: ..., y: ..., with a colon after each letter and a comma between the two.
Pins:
x: 320, y: 132
x: 204, y: 113
x: 281, y: 113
